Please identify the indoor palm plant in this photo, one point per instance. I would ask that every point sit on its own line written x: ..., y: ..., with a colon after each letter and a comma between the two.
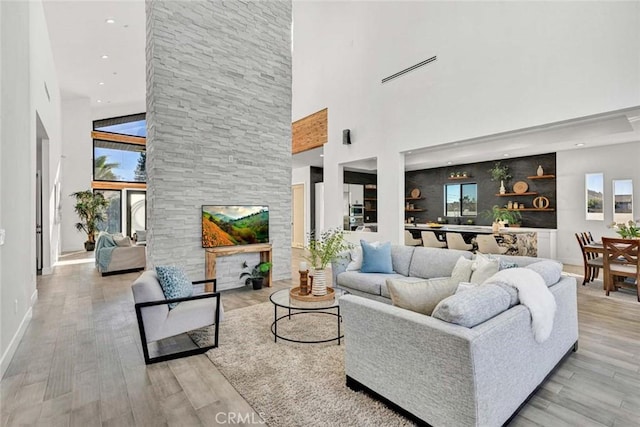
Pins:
x: 321, y: 251
x: 90, y: 208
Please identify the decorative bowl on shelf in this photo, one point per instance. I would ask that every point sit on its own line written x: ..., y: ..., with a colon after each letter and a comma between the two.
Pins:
x: 415, y: 193
x: 520, y: 187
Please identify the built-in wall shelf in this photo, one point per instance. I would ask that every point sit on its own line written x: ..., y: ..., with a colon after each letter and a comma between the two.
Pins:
x: 458, y: 177
x: 528, y: 193
x: 370, y: 198
x: 541, y: 177
x: 414, y: 210
x: 370, y: 210
x: 533, y: 209
x: 414, y: 198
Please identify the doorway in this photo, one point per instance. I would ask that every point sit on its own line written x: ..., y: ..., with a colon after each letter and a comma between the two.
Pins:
x: 136, y: 211
x: 297, y: 216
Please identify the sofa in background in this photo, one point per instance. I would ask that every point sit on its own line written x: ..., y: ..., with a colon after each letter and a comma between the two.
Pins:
x: 115, y: 253
x: 440, y: 372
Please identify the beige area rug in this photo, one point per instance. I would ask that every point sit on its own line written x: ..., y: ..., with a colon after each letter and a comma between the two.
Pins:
x: 291, y: 384
x: 595, y: 288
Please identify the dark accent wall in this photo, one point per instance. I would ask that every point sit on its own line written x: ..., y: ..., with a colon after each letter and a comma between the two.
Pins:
x: 317, y: 175
x: 370, y: 215
x: 431, y: 183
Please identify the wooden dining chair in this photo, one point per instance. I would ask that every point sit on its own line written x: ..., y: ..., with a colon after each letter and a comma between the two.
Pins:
x: 587, y: 239
x: 592, y: 265
x: 621, y: 259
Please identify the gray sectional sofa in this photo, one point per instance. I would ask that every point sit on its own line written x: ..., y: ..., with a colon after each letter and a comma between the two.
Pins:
x: 442, y: 373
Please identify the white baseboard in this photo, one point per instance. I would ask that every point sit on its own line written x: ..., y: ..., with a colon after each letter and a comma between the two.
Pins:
x: 34, y: 297
x: 13, y: 345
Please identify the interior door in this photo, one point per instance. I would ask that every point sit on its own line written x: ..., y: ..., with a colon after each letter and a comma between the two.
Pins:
x: 297, y: 216
x: 136, y: 211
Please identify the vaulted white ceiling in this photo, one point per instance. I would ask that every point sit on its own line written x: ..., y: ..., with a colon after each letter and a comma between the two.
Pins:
x: 80, y: 36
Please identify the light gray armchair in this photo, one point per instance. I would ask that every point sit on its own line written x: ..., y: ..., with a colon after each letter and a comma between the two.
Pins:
x: 157, y: 322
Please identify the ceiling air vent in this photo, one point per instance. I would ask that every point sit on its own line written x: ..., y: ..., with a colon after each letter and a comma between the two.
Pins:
x: 406, y: 70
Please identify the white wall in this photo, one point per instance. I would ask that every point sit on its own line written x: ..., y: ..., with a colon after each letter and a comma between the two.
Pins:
x: 303, y: 176
x: 27, y: 66
x: 501, y: 66
x: 615, y: 162
x: 77, y: 158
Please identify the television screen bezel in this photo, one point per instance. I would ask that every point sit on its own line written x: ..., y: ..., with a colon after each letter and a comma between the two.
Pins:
x: 232, y: 246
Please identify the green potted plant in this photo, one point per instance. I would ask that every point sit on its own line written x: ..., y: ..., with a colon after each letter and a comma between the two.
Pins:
x: 90, y: 208
x: 502, y: 216
x: 255, y: 275
x: 500, y: 172
x: 321, y: 251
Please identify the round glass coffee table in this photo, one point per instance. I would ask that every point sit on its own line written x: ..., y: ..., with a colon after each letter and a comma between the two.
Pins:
x: 294, y: 307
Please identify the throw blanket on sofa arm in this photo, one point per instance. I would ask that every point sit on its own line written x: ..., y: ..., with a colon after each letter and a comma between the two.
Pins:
x: 533, y: 294
x: 103, y: 251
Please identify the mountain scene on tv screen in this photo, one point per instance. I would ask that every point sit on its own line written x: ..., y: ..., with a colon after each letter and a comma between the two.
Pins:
x: 234, y: 225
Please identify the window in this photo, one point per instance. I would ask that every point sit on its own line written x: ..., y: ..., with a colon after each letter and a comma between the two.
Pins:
x: 461, y: 200
x: 115, y: 161
x: 113, y: 222
x: 594, y: 196
x: 622, y: 200
x: 119, y: 150
x: 134, y: 125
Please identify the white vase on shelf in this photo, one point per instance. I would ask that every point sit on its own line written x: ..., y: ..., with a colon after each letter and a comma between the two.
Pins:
x: 502, y: 189
x: 540, y: 171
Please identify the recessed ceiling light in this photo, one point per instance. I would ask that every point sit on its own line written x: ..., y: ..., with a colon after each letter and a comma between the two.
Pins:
x: 409, y: 152
x: 110, y: 21
x: 321, y: 155
x: 99, y: 101
x: 580, y: 144
x: 449, y: 162
x: 105, y: 57
x: 101, y: 83
x: 506, y: 155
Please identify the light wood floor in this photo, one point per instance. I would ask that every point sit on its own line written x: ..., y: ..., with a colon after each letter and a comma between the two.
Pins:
x: 80, y: 364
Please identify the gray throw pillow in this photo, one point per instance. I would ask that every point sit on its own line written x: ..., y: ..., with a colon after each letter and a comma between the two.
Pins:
x: 474, y: 306
x: 122, y: 241
x: 548, y: 269
x: 421, y: 297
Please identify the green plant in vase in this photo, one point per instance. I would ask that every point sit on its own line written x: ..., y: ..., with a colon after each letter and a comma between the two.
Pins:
x: 256, y: 274
x: 500, y: 172
x: 322, y: 250
x: 628, y: 230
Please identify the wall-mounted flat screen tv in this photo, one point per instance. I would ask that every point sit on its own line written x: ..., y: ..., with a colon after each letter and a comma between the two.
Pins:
x: 234, y: 225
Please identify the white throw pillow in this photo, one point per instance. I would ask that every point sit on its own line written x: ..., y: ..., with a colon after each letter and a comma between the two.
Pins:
x: 483, y: 268
x: 356, y: 257
x: 421, y: 297
x: 461, y: 271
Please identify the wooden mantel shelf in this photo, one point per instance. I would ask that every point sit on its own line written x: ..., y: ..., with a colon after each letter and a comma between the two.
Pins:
x: 211, y: 255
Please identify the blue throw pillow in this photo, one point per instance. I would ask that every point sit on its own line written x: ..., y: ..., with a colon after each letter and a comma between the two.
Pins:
x: 376, y: 259
x: 174, y: 283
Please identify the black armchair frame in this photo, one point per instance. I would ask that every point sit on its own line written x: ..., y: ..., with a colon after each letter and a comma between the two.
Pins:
x: 145, y: 349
